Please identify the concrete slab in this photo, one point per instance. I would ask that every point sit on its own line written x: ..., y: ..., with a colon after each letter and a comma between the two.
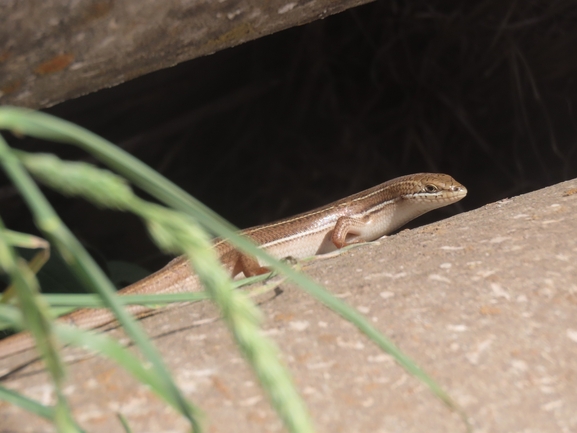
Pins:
x: 485, y: 302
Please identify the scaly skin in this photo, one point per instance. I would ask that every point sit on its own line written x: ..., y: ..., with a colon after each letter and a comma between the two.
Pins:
x: 362, y: 217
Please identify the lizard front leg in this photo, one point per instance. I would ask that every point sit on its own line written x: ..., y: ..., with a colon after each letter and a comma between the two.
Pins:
x: 348, y: 231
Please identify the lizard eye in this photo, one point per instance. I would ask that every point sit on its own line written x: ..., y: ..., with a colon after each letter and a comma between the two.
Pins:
x: 431, y: 188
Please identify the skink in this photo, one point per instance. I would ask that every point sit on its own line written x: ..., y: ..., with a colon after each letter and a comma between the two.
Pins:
x: 362, y: 217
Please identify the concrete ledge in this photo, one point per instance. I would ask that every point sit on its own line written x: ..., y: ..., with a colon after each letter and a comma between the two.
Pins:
x: 55, y: 50
x: 485, y: 302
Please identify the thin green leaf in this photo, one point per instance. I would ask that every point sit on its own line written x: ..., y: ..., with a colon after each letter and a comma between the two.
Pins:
x: 25, y: 240
x: 94, y: 301
x: 26, y: 403
x: 112, y: 349
x: 87, y: 271
x: 35, y: 313
x: 44, y: 126
x: 124, y: 423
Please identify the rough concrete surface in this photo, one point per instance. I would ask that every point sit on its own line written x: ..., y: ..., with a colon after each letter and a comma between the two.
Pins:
x: 485, y: 302
x: 55, y: 50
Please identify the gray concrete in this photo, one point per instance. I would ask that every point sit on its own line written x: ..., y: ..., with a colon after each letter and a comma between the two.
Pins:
x: 485, y: 302
x: 55, y: 50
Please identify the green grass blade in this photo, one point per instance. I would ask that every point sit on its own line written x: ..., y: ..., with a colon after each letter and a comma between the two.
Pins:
x: 86, y: 269
x: 94, y: 301
x: 44, y: 126
x: 26, y: 403
x: 174, y: 232
x: 35, y: 313
x: 178, y: 233
x: 112, y: 349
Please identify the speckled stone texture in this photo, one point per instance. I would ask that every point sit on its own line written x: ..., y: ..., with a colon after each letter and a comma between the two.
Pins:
x: 485, y: 302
